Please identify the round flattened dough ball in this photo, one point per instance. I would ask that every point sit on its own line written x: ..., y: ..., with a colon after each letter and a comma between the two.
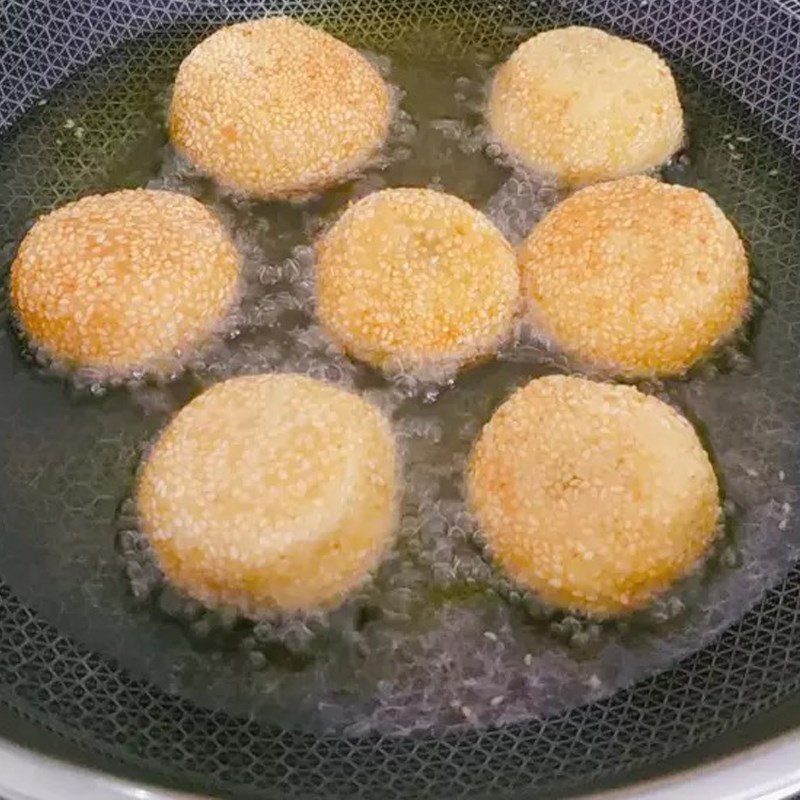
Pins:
x: 124, y: 280
x: 270, y: 491
x: 275, y: 108
x: 594, y: 496
x: 582, y: 105
x: 413, y: 278
x: 636, y: 276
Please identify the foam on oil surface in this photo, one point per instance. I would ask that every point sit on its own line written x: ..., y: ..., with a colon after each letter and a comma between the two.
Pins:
x: 438, y: 637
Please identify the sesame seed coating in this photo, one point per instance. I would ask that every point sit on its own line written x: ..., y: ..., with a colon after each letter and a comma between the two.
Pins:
x: 594, y: 496
x: 270, y: 490
x: 636, y: 275
x: 122, y: 280
x: 274, y: 108
x: 583, y: 106
x: 413, y: 277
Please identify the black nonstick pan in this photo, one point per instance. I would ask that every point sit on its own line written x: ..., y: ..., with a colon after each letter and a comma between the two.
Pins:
x: 438, y: 680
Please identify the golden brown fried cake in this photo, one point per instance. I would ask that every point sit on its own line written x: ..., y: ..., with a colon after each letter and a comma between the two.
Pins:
x: 123, y: 280
x: 636, y: 276
x: 582, y: 105
x: 275, y: 108
x: 594, y: 496
x: 270, y: 491
x: 411, y: 278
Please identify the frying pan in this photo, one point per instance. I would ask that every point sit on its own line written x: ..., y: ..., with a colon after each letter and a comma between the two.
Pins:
x: 99, y: 696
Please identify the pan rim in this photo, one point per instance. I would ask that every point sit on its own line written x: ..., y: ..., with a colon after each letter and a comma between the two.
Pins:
x: 636, y: 789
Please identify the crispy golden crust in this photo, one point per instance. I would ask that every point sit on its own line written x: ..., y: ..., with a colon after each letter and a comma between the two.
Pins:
x: 270, y: 490
x: 412, y: 277
x: 637, y: 276
x: 582, y: 105
x: 594, y: 496
x: 124, y: 279
x: 275, y: 108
